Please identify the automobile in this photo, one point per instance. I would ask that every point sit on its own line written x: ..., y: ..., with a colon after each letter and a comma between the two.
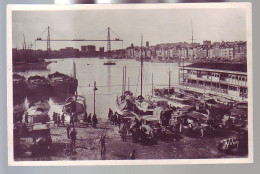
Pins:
x: 175, y: 122
x: 241, y: 105
x: 150, y: 126
x: 237, y: 118
x: 42, y: 138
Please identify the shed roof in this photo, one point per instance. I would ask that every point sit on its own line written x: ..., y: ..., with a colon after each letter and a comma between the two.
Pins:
x: 220, y: 66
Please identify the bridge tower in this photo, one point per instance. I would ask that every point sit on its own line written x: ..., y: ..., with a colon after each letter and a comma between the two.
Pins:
x: 48, y: 42
x: 108, y: 43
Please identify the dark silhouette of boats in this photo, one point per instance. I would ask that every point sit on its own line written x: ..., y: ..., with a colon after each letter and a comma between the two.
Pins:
x: 109, y: 62
x: 39, y: 85
x: 63, y: 83
x: 41, y: 64
x: 20, y: 88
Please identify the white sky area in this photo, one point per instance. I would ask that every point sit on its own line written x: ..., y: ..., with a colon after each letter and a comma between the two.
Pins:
x: 157, y: 26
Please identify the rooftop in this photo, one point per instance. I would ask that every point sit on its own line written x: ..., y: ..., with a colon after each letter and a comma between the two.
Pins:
x: 220, y: 66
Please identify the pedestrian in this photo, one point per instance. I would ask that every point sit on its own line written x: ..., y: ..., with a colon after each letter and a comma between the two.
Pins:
x: 63, y: 119
x: 94, y: 121
x: 73, y: 136
x: 103, y: 145
x: 124, y: 132
x: 26, y: 118
x: 53, y: 116
x: 85, y: 117
x: 71, y: 120
x: 119, y: 120
x: 132, y: 155
x: 68, y: 131
x: 55, y: 119
x: 58, y: 119
x: 89, y: 118
x: 76, y: 120
x: 115, y: 119
x: 110, y: 114
x: 128, y: 124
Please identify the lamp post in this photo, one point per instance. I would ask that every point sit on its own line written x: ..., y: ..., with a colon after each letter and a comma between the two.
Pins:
x: 95, y: 88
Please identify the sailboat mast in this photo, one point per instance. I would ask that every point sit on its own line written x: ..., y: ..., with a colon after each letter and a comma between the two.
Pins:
x: 152, y: 84
x: 75, y: 76
x: 141, y: 65
x: 123, y: 80
x: 169, y: 80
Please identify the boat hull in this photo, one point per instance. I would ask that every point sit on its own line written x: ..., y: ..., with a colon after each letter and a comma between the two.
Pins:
x: 110, y: 63
x: 42, y: 65
x: 39, y: 86
x: 62, y: 83
x: 20, y: 89
x: 64, y: 87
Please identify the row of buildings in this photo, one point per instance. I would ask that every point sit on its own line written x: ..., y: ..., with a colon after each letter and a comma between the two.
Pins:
x: 233, y: 51
x: 225, y: 51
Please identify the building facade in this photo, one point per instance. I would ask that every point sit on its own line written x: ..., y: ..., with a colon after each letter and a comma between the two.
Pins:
x: 228, y: 80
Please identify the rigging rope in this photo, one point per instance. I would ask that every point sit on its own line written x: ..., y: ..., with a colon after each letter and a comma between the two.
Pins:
x: 42, y: 32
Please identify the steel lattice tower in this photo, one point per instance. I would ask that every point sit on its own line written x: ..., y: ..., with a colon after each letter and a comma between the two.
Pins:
x: 108, y: 42
x: 48, y: 42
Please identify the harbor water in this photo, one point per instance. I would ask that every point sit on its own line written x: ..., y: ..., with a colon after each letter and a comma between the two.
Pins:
x: 109, y: 80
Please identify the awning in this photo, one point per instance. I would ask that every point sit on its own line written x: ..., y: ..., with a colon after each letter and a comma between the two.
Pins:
x: 187, y: 108
x: 236, y: 111
x: 128, y: 114
x: 197, y: 115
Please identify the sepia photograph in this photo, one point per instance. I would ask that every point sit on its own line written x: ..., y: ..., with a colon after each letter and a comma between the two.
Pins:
x: 129, y: 84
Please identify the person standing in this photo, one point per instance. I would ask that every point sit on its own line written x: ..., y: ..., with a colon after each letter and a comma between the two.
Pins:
x: 94, y: 121
x: 103, y: 145
x: 89, y: 118
x: 110, y: 114
x: 55, y: 119
x: 76, y: 120
x: 68, y: 131
x: 119, y: 120
x: 53, y: 116
x: 132, y: 155
x: 124, y: 132
x: 115, y: 119
x: 73, y: 136
x: 26, y: 118
x: 63, y: 119
x: 58, y: 120
x: 85, y: 117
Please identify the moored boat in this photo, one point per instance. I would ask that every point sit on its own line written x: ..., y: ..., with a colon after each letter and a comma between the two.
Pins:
x: 31, y: 65
x: 75, y: 105
x: 39, y: 85
x: 38, y: 112
x: 63, y: 83
x: 20, y: 87
x: 109, y: 62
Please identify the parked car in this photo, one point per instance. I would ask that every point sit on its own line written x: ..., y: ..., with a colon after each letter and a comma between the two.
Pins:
x: 42, y: 139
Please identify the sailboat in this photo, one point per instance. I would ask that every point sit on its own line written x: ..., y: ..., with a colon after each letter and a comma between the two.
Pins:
x: 136, y: 106
x: 77, y: 103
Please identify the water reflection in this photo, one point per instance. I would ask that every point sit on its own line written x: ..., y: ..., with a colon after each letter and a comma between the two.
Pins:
x: 108, y: 78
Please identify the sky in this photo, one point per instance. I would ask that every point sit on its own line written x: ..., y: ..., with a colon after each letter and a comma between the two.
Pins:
x: 156, y: 26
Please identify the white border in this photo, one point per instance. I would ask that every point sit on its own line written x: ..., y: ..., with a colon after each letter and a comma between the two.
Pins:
x: 245, y: 5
